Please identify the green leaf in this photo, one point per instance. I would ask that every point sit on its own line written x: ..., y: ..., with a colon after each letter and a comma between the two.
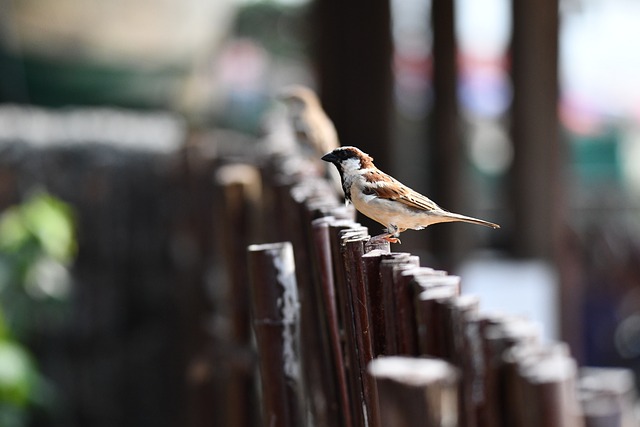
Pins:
x: 41, y: 218
x: 13, y: 231
x: 50, y: 220
x: 16, y: 373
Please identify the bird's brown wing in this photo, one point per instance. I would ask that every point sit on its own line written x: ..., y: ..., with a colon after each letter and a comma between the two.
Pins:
x: 386, y: 187
x: 390, y: 188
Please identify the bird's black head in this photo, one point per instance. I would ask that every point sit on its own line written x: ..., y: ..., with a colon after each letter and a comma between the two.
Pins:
x: 348, y: 160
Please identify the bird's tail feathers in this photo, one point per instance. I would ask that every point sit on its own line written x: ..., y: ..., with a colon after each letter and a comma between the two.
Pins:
x: 463, y: 218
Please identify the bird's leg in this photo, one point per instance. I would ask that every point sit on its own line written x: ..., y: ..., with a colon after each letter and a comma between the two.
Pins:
x: 390, y: 236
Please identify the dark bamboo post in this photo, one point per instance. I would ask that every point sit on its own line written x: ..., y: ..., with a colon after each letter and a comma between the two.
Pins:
x: 371, y: 261
x: 276, y: 319
x: 537, y: 196
x: 272, y: 227
x: 416, y: 392
x: 379, y: 247
x: 445, y: 144
x: 608, y: 397
x: 431, y: 293
x: 390, y: 295
x: 461, y: 309
x: 516, y: 403
x: 483, y: 380
x: 499, y: 335
x: 349, y: 323
x: 320, y: 388
x: 361, y: 346
x: 240, y: 186
x: 548, y: 384
x: 337, y: 231
x: 407, y: 327
x: 327, y: 297
x: 354, y: 72
x: 335, y: 240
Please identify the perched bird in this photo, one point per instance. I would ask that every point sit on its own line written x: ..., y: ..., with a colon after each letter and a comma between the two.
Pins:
x: 313, y: 130
x: 385, y: 199
x: 311, y: 125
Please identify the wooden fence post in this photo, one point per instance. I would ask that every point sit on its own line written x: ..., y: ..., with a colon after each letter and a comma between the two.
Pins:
x: 346, y: 314
x: 276, y: 322
x: 608, y: 397
x: 431, y: 293
x: 371, y: 262
x: 327, y: 298
x: 416, y: 392
x: 459, y: 310
x: 548, y: 382
x: 407, y: 335
x: 361, y: 346
x: 239, y: 185
x: 320, y: 387
x: 499, y: 335
x: 392, y: 296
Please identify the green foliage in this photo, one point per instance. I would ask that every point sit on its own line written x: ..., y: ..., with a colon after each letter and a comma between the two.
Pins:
x: 37, y: 244
x: 17, y: 373
x: 42, y: 220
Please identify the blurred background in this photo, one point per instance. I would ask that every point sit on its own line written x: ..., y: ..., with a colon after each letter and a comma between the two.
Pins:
x: 114, y: 116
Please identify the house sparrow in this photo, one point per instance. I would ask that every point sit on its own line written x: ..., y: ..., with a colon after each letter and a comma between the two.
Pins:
x: 385, y: 199
x: 313, y: 130
x: 311, y: 125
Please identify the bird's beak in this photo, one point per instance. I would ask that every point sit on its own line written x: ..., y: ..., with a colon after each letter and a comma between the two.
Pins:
x: 330, y: 157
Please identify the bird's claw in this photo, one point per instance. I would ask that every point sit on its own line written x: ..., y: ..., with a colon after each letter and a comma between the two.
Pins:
x: 384, y: 238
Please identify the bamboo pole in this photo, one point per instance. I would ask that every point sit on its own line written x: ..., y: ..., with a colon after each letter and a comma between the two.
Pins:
x: 460, y: 310
x: 416, y: 392
x: 337, y: 231
x: 371, y: 261
x: 499, y: 335
x: 276, y: 322
x: 392, y: 296
x: 408, y: 343
x: 608, y: 397
x: 240, y: 185
x: 548, y: 388
x: 320, y: 389
x: 361, y: 347
x: 327, y: 297
x: 431, y: 293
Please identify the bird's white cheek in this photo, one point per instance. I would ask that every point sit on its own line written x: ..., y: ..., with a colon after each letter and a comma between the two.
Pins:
x: 350, y: 165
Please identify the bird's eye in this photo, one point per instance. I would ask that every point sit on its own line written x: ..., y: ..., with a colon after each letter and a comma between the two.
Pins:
x: 368, y: 191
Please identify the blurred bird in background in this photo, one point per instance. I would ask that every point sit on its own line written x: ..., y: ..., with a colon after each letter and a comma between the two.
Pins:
x: 385, y: 199
x: 313, y: 130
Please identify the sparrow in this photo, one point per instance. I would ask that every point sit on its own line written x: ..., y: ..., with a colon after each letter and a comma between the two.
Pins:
x: 313, y: 129
x: 385, y: 199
